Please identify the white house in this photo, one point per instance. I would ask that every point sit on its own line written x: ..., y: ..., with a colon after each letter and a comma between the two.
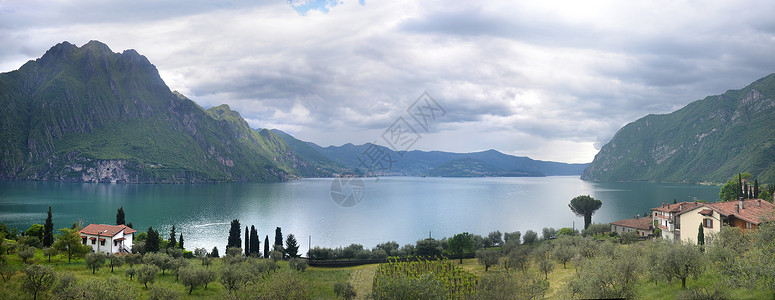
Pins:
x: 108, y: 238
x: 666, y: 218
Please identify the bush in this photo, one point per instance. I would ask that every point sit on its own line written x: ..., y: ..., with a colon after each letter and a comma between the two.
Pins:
x: 703, y: 294
x: 595, y: 229
x: 283, y: 285
x: 499, y: 285
x: 629, y: 237
x: 425, y: 286
x: 565, y: 231
x: 298, y: 264
x: 344, y: 290
x: 162, y: 293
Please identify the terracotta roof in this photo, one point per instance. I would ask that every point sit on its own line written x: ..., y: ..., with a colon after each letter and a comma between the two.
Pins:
x: 637, y: 223
x: 679, y: 207
x: 754, y: 210
x: 106, y: 230
x: 706, y: 212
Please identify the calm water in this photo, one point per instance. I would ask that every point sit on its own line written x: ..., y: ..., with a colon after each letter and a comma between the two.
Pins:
x: 403, y: 209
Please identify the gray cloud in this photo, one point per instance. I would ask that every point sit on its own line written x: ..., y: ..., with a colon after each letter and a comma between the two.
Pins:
x: 551, y: 81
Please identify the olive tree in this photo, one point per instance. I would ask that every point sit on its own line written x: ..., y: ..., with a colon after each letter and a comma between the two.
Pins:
x: 488, y: 258
x: 38, y: 279
x: 95, y: 261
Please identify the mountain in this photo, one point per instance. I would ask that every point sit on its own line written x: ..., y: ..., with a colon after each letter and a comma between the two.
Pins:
x: 708, y: 140
x: 470, y: 167
x: 89, y: 114
x: 418, y: 163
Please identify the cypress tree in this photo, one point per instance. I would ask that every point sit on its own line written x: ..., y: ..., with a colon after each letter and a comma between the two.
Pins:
x: 235, y: 239
x: 173, y: 241
x: 152, y: 242
x: 255, y: 241
x: 120, y: 217
x: 266, y: 247
x: 278, y: 237
x: 48, y: 231
x: 756, y: 188
x: 247, y: 242
x: 701, y: 236
x: 180, y: 242
x: 739, y: 185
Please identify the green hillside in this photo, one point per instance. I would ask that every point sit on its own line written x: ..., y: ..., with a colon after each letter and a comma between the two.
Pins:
x: 469, y: 167
x: 89, y: 114
x: 706, y: 141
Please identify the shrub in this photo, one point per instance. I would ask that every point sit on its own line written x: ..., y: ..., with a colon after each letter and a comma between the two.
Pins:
x: 425, y: 286
x: 344, y: 290
x: 298, y: 264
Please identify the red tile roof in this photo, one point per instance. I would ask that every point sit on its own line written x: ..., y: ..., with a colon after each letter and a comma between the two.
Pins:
x: 106, y: 230
x: 753, y: 210
x: 679, y: 207
x: 637, y: 223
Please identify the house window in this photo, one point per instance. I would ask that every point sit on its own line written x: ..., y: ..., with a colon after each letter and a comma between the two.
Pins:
x: 707, y: 223
x: 84, y: 240
x: 93, y: 242
x: 748, y: 225
x: 102, y: 242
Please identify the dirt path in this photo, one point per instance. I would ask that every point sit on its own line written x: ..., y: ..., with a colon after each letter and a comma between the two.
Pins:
x: 362, y: 280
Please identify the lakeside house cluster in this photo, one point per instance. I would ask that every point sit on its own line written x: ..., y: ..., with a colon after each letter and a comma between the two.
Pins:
x: 681, y: 221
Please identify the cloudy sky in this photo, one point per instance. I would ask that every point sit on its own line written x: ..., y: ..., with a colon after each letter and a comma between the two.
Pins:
x: 553, y: 80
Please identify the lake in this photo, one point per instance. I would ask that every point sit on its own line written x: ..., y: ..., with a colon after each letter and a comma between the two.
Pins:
x: 402, y: 209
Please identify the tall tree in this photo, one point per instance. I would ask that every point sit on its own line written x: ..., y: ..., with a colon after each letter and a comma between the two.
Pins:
x: 585, y: 206
x: 460, y: 243
x: 152, y: 241
x: 173, y: 242
x: 266, y: 246
x: 48, y: 230
x: 255, y: 241
x: 180, y: 241
x: 120, y: 217
x: 69, y: 241
x: 739, y: 185
x: 247, y: 242
x: 756, y: 188
x: 278, y: 237
x: 701, y: 236
x: 291, y: 246
x: 234, y: 235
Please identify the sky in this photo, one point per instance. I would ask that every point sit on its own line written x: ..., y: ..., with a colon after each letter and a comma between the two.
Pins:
x: 552, y: 80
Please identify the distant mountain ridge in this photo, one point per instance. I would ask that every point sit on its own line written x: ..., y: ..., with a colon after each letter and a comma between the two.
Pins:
x: 419, y: 163
x: 708, y: 140
x: 88, y: 114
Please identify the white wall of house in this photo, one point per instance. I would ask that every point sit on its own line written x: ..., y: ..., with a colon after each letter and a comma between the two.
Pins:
x: 691, y: 221
x: 110, y: 245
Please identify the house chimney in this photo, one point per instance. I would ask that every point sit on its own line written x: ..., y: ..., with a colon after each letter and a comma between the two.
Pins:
x: 663, y: 204
x: 636, y: 217
x: 741, y: 205
x: 759, y: 203
x: 680, y: 207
